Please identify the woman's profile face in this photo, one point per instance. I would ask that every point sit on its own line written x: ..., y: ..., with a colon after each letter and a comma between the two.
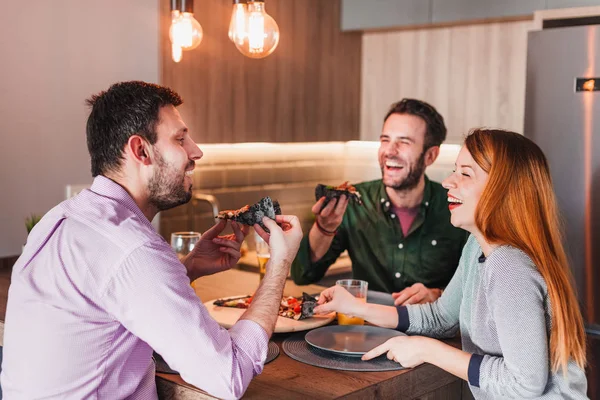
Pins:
x: 465, y: 186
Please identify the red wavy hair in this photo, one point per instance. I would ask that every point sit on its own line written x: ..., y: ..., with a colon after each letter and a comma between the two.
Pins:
x: 518, y: 208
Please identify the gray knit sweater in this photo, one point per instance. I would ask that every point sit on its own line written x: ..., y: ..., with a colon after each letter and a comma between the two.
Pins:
x: 502, y: 308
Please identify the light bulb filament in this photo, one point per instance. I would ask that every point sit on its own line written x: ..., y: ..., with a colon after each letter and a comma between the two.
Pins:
x: 256, y: 32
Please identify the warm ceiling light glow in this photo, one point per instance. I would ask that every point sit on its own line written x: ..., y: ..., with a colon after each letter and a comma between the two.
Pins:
x: 262, y: 36
x: 237, y: 25
x: 589, y: 85
x: 185, y: 32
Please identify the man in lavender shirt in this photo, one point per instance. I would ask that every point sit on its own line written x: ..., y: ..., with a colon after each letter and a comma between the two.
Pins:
x: 97, y: 289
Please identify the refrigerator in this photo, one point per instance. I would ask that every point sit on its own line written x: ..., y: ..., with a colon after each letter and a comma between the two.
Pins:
x: 562, y: 115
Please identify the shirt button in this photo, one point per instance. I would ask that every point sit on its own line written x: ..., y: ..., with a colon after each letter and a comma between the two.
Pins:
x: 387, y: 203
x: 433, y: 242
x: 383, y: 200
x: 398, y: 275
x: 426, y: 204
x: 393, y: 215
x: 400, y: 246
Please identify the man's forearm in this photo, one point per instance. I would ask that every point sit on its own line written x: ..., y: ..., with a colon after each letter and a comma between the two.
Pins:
x: 319, y: 243
x: 264, y: 309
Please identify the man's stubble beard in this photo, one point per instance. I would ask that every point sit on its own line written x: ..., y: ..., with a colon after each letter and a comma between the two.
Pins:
x: 417, y: 170
x: 165, y: 187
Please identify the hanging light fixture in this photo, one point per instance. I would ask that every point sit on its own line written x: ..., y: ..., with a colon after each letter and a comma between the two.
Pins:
x: 185, y: 32
x: 261, y: 34
x: 237, y: 25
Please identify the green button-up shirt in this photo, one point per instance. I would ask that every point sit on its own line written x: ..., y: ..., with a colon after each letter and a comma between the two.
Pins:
x: 379, y: 251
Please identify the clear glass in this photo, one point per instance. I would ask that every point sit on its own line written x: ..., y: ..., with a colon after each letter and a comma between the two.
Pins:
x: 237, y: 25
x: 262, y: 36
x: 359, y: 290
x: 185, y: 31
x: 263, y: 254
x: 183, y: 242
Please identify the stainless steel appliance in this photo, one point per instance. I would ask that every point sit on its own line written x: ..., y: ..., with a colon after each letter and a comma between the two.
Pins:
x: 562, y: 115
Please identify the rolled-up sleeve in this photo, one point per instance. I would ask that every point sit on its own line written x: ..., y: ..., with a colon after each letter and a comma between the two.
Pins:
x: 151, y: 296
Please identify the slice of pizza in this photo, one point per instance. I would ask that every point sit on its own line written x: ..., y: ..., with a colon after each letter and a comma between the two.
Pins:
x: 234, y: 302
x: 250, y: 215
x: 297, y: 308
x: 335, y: 192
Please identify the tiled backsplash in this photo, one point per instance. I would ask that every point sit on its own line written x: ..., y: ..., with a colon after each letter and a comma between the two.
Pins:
x: 240, y: 174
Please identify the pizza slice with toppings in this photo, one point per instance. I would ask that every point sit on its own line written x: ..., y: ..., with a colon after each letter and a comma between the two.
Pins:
x: 297, y: 308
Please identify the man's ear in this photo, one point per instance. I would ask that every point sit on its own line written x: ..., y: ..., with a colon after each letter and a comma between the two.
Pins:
x: 431, y: 155
x: 139, y: 149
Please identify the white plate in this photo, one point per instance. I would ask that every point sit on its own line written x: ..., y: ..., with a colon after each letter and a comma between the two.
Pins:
x: 350, y: 340
x: 228, y: 316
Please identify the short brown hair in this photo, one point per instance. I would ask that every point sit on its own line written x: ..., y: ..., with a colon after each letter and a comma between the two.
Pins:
x: 436, y: 129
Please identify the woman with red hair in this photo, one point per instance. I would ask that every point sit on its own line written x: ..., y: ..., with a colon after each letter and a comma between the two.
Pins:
x: 511, y: 297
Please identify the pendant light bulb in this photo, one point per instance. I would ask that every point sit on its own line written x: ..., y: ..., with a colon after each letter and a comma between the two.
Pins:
x: 185, y: 32
x: 262, y: 35
x: 237, y: 25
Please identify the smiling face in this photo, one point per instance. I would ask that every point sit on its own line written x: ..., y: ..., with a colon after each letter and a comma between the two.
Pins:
x: 174, y: 155
x: 401, y: 155
x: 465, y: 186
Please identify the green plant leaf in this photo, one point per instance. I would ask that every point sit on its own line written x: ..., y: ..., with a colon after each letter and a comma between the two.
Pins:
x: 31, y: 221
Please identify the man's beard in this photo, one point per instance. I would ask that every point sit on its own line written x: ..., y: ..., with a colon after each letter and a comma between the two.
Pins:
x: 415, y: 172
x: 166, y: 186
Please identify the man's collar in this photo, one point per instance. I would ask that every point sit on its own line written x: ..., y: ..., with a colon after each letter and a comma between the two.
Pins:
x: 108, y: 188
x: 386, y: 204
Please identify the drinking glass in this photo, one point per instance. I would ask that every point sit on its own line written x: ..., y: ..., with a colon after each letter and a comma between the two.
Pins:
x: 184, y: 242
x: 262, y: 253
x: 358, y: 289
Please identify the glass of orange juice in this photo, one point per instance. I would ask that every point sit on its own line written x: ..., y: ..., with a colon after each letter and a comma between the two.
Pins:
x: 263, y: 254
x: 358, y: 289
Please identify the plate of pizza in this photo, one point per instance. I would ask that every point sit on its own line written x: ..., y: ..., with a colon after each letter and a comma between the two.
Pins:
x: 295, y: 313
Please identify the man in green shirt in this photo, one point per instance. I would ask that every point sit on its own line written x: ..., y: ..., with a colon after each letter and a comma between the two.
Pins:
x: 400, y: 240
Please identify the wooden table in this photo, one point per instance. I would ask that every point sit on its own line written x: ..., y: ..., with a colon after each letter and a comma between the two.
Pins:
x: 285, y: 378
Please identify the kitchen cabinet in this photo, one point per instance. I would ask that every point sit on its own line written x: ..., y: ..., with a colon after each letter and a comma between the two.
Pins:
x: 393, y: 14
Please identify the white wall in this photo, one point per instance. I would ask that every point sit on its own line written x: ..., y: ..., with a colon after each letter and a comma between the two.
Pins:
x: 53, y: 55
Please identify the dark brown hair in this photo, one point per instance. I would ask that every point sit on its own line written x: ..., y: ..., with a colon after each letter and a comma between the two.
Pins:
x: 436, y: 129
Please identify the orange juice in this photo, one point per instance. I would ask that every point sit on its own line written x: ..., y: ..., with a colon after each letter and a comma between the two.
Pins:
x: 263, y: 259
x: 344, y: 319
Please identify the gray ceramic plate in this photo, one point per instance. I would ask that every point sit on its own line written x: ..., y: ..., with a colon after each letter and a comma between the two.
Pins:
x: 349, y: 340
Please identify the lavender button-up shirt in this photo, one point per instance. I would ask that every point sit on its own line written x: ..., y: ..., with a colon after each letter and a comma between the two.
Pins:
x: 95, y: 290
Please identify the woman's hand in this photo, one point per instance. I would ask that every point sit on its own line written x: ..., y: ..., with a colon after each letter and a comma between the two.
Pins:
x: 338, y: 299
x: 409, y: 351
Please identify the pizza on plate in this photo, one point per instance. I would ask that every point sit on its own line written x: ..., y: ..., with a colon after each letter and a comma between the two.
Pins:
x: 297, y: 308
